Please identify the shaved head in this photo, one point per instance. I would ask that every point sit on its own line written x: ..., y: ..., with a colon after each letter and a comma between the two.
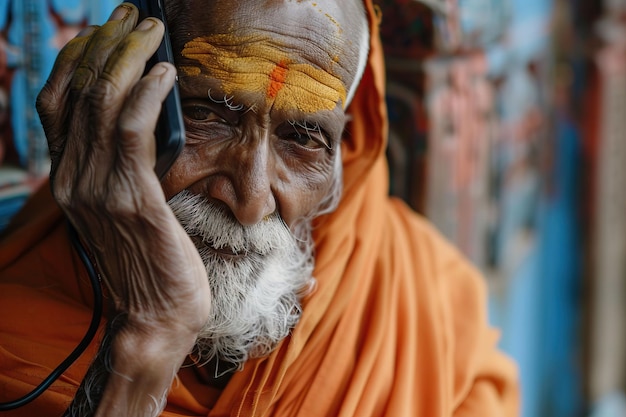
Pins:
x: 332, y: 35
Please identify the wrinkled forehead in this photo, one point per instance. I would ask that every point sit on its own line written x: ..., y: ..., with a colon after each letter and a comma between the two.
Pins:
x: 313, y: 26
x: 314, y: 35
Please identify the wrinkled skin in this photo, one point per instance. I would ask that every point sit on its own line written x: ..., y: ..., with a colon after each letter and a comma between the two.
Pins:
x: 99, y: 115
x: 99, y: 118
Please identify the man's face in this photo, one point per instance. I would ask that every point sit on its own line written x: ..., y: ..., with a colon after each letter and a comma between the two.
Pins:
x: 263, y: 89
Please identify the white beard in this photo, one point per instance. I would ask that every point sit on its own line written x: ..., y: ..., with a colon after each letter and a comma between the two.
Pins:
x: 256, y: 292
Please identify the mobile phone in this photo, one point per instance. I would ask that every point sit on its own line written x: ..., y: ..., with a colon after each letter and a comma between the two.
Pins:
x: 170, y: 130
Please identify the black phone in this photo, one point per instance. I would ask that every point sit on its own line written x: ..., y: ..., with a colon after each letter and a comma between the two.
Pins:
x: 170, y: 130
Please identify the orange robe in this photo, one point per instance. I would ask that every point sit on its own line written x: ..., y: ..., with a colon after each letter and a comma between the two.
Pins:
x: 396, y: 327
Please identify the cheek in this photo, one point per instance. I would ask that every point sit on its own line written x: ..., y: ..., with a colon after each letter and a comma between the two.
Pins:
x: 298, y: 184
x: 302, y: 189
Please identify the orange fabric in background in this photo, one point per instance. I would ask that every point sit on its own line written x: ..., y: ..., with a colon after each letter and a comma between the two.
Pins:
x: 396, y: 327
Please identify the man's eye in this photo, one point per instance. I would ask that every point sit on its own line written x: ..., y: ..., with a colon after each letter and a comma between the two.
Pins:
x: 306, y: 135
x: 201, y: 113
x: 306, y: 139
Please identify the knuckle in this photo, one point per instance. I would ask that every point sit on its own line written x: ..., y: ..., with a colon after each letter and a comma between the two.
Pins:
x: 85, y: 75
x: 68, y: 55
x: 103, y: 93
x: 104, y: 97
x: 74, y: 46
x: 56, y: 151
x: 43, y: 98
x: 86, y: 33
x: 135, y: 124
x: 131, y: 128
x: 104, y: 100
x: 48, y: 99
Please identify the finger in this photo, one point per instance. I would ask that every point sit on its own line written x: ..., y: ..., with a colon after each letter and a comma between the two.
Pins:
x: 140, y: 114
x: 52, y: 100
x: 102, y: 43
x: 122, y: 71
x: 133, y: 52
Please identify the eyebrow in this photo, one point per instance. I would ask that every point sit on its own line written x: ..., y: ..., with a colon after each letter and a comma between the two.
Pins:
x: 213, y: 92
x: 235, y: 103
x: 229, y: 102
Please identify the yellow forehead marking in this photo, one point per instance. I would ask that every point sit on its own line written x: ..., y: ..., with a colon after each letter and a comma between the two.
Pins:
x: 253, y: 64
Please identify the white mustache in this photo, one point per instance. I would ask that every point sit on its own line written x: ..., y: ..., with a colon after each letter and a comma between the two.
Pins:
x: 256, y: 296
x: 211, y: 223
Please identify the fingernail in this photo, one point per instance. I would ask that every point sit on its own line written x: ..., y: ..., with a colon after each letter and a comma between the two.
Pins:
x: 146, y: 24
x: 120, y: 12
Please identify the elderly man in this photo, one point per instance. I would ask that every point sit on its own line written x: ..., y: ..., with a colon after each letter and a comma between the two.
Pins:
x: 267, y: 273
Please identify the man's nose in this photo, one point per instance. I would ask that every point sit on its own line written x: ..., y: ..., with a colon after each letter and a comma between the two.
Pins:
x: 246, y: 183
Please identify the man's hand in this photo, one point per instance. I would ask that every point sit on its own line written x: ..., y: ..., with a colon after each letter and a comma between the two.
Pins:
x: 99, y: 115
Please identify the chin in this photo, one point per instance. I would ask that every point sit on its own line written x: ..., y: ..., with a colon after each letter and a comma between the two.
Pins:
x: 257, y: 274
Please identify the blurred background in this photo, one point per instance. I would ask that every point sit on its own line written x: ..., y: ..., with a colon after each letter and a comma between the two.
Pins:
x: 508, y: 131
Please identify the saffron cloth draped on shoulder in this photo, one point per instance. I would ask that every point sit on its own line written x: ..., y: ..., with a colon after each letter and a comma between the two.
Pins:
x: 396, y: 326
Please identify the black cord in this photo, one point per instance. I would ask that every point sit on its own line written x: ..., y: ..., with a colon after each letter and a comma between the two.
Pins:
x: 84, y: 343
